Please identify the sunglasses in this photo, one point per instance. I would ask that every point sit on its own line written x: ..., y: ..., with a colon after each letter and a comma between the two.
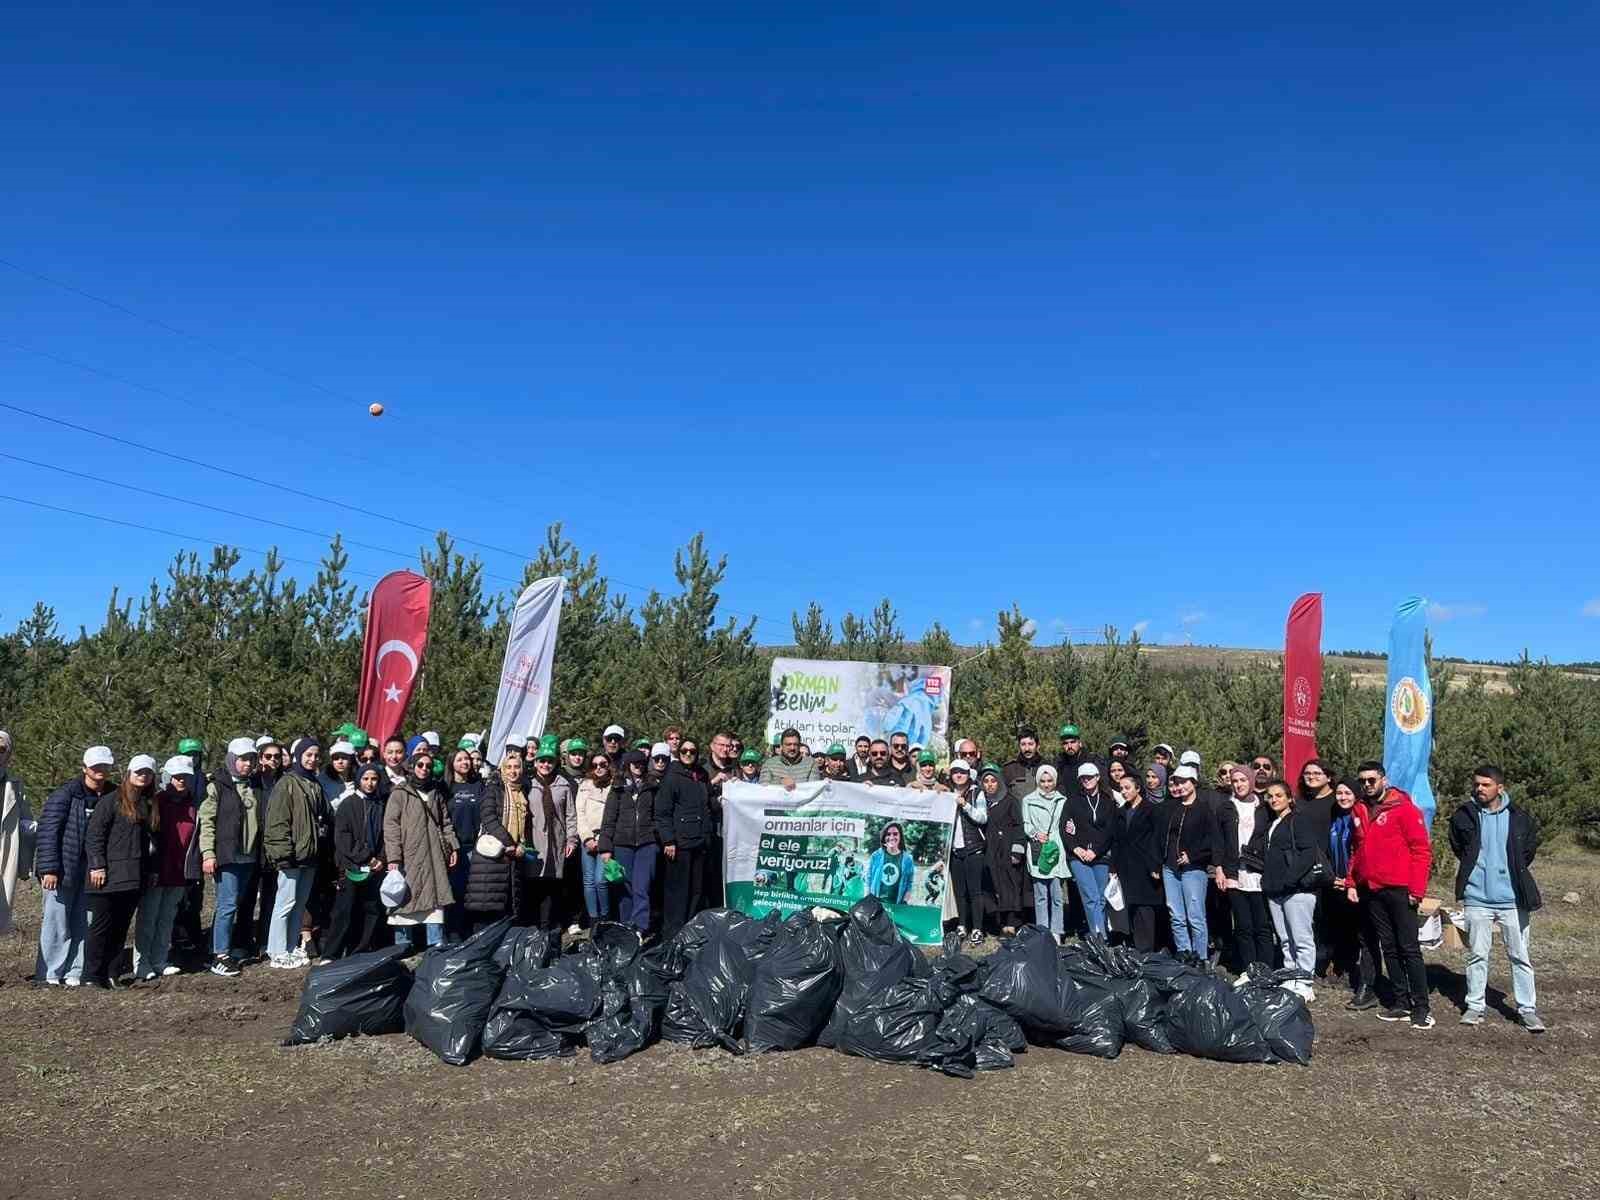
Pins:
x: 687, y: 751
x: 901, y: 746
x: 879, y: 754
x: 659, y: 757
x: 1370, y: 780
x: 1262, y: 766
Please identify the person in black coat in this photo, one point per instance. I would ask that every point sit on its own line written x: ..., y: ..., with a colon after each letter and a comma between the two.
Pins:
x: 1089, y: 835
x: 358, y: 851
x: 683, y: 822
x: 1238, y: 876
x: 1137, y: 862
x: 61, y: 867
x: 1289, y: 855
x: 1192, y: 846
x: 494, y: 880
x: 119, y: 850
x: 628, y: 834
x: 1007, y: 845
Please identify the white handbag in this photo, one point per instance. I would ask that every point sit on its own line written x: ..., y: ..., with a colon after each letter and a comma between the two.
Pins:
x: 1114, y: 900
x: 489, y: 846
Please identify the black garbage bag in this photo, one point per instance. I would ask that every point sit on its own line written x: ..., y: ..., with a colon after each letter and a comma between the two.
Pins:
x: 1058, y: 999
x: 363, y: 994
x: 1209, y: 1018
x: 625, y: 1026
x: 543, y: 1011
x: 994, y: 1037
x: 1283, y: 1017
x: 455, y: 989
x: 797, y: 980
x: 707, y: 1007
x: 705, y: 925
x: 903, y: 1020
x: 538, y: 946
x: 649, y: 978
x: 1095, y: 1014
x: 872, y: 953
x: 611, y: 948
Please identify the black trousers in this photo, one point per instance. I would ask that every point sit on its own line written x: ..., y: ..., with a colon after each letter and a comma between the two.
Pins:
x: 1219, y: 919
x: 1252, y: 929
x: 356, y: 919
x: 1353, y: 947
x: 1142, y: 924
x: 966, y: 876
x: 187, y: 933
x: 683, y: 880
x: 540, y: 903
x: 1395, y: 922
x: 711, y: 893
x: 110, y: 914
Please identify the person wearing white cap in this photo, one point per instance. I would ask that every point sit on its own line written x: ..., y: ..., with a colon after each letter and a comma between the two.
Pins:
x: 967, y: 851
x: 175, y: 863
x: 118, y: 843
x: 17, y: 832
x: 1193, y: 847
x: 1089, y: 832
x: 338, y: 777
x: 269, y: 760
x: 230, y: 842
x: 611, y: 739
x: 62, y: 865
x: 291, y: 839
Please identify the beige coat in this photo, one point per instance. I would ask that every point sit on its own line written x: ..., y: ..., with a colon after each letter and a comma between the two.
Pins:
x: 17, y: 830
x: 591, y: 808
x: 418, y: 837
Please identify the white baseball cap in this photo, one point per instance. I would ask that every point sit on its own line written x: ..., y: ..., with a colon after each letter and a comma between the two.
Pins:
x: 99, y: 756
x: 141, y: 762
x: 1186, y: 772
x: 961, y: 764
x: 178, y: 764
x: 430, y: 736
x: 614, y: 731
x: 1189, y: 758
x: 1087, y: 769
x: 661, y: 750
x: 342, y: 747
x: 241, y: 746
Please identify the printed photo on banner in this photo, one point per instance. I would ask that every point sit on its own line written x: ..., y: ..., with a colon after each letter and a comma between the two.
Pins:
x: 829, y: 701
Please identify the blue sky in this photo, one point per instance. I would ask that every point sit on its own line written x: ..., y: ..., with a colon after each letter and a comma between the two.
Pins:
x: 1154, y: 315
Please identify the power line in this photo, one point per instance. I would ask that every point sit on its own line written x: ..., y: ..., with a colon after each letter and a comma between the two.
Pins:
x: 228, y: 512
x: 188, y: 537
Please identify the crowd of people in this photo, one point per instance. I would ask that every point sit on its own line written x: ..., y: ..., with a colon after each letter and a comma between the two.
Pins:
x: 315, y: 853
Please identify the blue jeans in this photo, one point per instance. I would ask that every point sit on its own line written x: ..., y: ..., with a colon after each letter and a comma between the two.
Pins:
x: 152, y: 929
x: 1047, y: 905
x: 640, y: 863
x: 1514, y: 935
x: 1186, y: 905
x: 294, y: 889
x: 62, y: 933
x: 1091, y: 879
x: 596, y: 891
x: 233, y: 880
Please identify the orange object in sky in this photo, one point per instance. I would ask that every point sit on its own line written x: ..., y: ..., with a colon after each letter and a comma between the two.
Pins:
x: 375, y: 409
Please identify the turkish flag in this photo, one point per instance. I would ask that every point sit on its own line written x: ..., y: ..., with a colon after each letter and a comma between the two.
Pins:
x: 1302, y: 684
x: 391, y: 654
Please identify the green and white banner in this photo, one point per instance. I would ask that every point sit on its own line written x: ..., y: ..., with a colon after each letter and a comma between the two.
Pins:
x: 830, y: 701
x: 828, y: 844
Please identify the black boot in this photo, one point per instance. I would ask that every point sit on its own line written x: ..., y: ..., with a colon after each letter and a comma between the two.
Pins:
x: 1364, y: 998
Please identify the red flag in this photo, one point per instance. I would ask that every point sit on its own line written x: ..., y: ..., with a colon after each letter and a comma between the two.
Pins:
x: 391, y: 654
x: 1302, y: 684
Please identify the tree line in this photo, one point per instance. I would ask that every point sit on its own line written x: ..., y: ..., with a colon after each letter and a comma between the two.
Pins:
x: 212, y: 650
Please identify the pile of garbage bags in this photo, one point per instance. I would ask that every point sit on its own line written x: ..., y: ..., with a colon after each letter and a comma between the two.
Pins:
x: 854, y: 984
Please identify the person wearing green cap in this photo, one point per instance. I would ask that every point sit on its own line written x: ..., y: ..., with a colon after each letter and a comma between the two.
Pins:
x: 575, y: 759
x: 750, y: 766
x: 836, y: 765
x: 927, y: 777
x: 552, y: 832
x: 1072, y: 756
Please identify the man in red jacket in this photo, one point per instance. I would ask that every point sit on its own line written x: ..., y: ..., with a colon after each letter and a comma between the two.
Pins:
x: 1389, y: 867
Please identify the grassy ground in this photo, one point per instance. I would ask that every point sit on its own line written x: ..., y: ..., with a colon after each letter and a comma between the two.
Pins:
x: 182, y: 1089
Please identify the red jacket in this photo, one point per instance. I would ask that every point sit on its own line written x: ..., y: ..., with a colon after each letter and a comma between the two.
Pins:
x: 1394, y: 850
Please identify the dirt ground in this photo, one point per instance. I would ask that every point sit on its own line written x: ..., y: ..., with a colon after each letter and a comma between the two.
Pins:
x: 182, y: 1089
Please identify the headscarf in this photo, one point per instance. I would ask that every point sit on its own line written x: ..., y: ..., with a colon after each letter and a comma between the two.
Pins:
x: 1055, y: 778
x: 301, y: 745
x: 1157, y: 794
x: 513, y: 814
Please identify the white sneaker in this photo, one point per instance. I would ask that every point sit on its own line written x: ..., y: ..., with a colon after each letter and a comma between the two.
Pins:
x: 71, y: 982
x: 961, y: 931
x: 147, y: 977
x: 299, y: 958
x: 281, y: 962
x: 169, y: 969
x: 574, y: 929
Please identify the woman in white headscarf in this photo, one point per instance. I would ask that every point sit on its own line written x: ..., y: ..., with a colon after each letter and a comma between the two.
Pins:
x: 17, y: 829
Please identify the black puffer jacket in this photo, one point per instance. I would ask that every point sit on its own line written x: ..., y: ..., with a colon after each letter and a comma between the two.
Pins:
x: 118, y: 846
x: 630, y: 817
x: 491, y: 881
x: 683, y: 809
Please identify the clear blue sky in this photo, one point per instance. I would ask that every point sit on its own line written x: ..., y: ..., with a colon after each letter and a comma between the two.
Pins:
x: 1152, y: 314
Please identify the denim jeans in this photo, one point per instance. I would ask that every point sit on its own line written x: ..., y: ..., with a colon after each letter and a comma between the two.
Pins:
x: 432, y: 934
x: 1294, y: 916
x: 1186, y: 906
x: 1514, y: 934
x: 152, y: 929
x: 63, y: 930
x: 1091, y: 879
x: 596, y: 891
x: 1047, y: 905
x: 233, y: 881
x: 294, y: 889
x: 640, y: 863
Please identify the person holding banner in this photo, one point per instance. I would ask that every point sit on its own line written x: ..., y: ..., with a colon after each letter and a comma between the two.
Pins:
x: 1047, y: 863
x: 789, y: 765
x: 927, y: 776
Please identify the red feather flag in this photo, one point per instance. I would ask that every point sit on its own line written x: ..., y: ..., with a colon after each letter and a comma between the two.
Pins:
x: 391, y: 654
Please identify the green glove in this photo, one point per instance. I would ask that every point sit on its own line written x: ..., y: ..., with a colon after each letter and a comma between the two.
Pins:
x: 614, y: 871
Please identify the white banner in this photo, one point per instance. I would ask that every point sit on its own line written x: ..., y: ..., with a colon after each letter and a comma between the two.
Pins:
x: 523, y: 705
x: 838, y: 701
x: 829, y: 843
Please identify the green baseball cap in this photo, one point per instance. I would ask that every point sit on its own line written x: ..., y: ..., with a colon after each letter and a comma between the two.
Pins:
x: 641, y: 744
x: 191, y: 746
x: 989, y: 769
x: 548, y: 746
x: 926, y: 757
x: 836, y: 750
x: 576, y: 746
x: 1070, y: 731
x: 750, y: 756
x: 359, y: 739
